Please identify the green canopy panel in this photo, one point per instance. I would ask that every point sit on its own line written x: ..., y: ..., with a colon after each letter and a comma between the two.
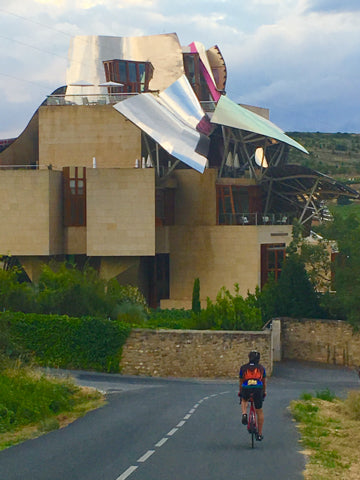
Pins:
x: 233, y: 115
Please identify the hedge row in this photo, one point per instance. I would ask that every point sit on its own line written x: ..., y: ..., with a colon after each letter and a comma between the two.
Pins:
x: 65, y: 342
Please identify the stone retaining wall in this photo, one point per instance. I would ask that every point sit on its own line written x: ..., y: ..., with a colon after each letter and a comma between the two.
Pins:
x: 325, y: 341
x: 193, y: 353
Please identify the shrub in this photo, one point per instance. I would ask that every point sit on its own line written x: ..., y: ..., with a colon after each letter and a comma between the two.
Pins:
x: 64, y: 290
x: 196, y: 306
x: 169, y: 318
x: 325, y: 395
x: 229, y: 312
x: 61, y: 341
x: 15, y: 295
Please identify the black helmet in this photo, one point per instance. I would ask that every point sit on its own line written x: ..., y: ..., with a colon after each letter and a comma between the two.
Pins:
x: 254, y: 356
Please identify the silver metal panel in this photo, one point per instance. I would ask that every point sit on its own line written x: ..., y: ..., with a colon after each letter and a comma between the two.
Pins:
x: 170, y: 119
x: 87, y: 53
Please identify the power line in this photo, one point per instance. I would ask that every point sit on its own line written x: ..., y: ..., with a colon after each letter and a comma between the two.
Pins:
x: 35, y: 22
x: 24, y: 80
x: 32, y: 46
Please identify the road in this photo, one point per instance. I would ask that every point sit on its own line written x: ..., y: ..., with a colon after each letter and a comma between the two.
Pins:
x: 171, y: 429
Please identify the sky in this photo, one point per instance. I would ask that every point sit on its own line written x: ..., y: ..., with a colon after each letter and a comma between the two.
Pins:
x: 299, y: 58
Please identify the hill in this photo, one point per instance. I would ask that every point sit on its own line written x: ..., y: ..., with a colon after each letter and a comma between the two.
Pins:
x: 334, y: 154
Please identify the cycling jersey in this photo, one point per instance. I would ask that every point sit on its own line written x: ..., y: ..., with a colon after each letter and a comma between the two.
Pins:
x: 252, y: 375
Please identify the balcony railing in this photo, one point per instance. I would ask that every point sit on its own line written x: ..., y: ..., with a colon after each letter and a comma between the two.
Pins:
x: 88, y: 99
x: 255, y: 219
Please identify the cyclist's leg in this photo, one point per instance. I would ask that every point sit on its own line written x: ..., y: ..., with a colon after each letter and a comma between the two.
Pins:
x: 258, y: 400
x: 244, y: 406
x: 260, y: 419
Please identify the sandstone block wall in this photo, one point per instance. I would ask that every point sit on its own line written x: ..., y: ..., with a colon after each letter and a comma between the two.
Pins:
x: 191, y: 353
x: 325, y: 341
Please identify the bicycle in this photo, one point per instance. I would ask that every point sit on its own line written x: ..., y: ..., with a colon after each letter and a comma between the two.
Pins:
x: 252, y: 426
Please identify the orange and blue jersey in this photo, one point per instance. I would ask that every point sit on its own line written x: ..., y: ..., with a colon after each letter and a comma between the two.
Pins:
x: 252, y: 375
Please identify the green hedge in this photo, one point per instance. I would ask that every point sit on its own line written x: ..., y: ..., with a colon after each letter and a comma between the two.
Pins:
x: 66, y: 342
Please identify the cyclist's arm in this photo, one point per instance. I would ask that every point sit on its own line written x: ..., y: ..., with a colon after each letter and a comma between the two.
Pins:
x: 264, y: 385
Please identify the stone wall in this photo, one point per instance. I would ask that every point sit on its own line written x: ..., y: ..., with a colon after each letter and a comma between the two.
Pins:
x: 191, y: 353
x: 325, y: 341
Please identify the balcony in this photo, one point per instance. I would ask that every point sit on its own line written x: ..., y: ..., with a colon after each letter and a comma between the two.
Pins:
x: 88, y: 99
x: 255, y: 219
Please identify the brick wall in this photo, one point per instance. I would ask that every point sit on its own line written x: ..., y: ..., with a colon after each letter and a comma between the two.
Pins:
x: 325, y: 341
x: 190, y: 353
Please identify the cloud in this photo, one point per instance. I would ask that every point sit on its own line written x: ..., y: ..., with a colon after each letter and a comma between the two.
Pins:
x: 333, y: 6
x: 298, y: 57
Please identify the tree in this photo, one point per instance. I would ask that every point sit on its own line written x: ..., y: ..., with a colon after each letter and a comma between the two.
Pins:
x: 196, y: 305
x: 346, y: 232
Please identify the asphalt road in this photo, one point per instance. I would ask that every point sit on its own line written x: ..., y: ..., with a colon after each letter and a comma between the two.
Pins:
x: 169, y: 429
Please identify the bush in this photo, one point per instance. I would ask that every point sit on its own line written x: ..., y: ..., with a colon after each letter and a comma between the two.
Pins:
x: 169, y: 318
x: 65, y: 290
x: 196, y: 306
x: 15, y: 295
x: 229, y: 312
x: 61, y: 341
x: 325, y: 395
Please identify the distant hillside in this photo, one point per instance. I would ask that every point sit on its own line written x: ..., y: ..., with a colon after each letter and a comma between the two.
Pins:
x: 335, y: 154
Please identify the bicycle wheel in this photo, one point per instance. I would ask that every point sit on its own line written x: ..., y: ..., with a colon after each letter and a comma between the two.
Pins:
x: 252, y: 428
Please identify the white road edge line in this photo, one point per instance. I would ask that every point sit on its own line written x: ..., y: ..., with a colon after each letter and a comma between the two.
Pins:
x: 127, y: 472
x: 171, y: 433
x: 161, y: 442
x: 146, y: 456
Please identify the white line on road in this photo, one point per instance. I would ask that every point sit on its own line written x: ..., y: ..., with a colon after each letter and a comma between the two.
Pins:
x: 146, y: 456
x: 161, y: 442
x: 127, y: 472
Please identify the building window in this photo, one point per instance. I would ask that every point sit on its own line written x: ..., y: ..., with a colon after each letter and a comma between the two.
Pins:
x: 135, y: 76
x: 272, y: 260
x: 165, y: 207
x: 74, y: 196
x: 232, y: 205
x: 195, y: 77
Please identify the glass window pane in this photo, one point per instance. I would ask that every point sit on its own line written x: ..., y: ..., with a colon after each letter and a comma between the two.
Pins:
x: 122, y: 72
x: 132, y: 72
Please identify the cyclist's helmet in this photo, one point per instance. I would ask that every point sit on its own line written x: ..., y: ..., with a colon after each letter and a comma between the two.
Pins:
x: 254, y: 356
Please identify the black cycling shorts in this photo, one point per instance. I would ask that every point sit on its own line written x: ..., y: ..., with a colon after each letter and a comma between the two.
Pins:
x: 257, y: 394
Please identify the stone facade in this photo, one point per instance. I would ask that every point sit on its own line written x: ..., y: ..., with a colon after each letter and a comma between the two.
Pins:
x: 190, y: 353
x: 325, y: 341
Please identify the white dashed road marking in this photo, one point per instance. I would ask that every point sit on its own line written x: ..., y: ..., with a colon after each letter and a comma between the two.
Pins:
x: 146, y: 456
x: 127, y: 472
x: 161, y: 442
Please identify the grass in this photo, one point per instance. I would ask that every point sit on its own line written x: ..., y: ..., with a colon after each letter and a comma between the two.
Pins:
x: 32, y: 403
x: 330, y: 434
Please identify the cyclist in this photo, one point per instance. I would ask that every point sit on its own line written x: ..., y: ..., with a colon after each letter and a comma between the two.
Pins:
x: 253, y: 382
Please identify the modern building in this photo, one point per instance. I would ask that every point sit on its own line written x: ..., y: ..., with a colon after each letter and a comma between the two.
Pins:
x: 143, y: 167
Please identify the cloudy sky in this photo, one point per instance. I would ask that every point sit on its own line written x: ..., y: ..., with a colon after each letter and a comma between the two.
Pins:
x: 299, y: 58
